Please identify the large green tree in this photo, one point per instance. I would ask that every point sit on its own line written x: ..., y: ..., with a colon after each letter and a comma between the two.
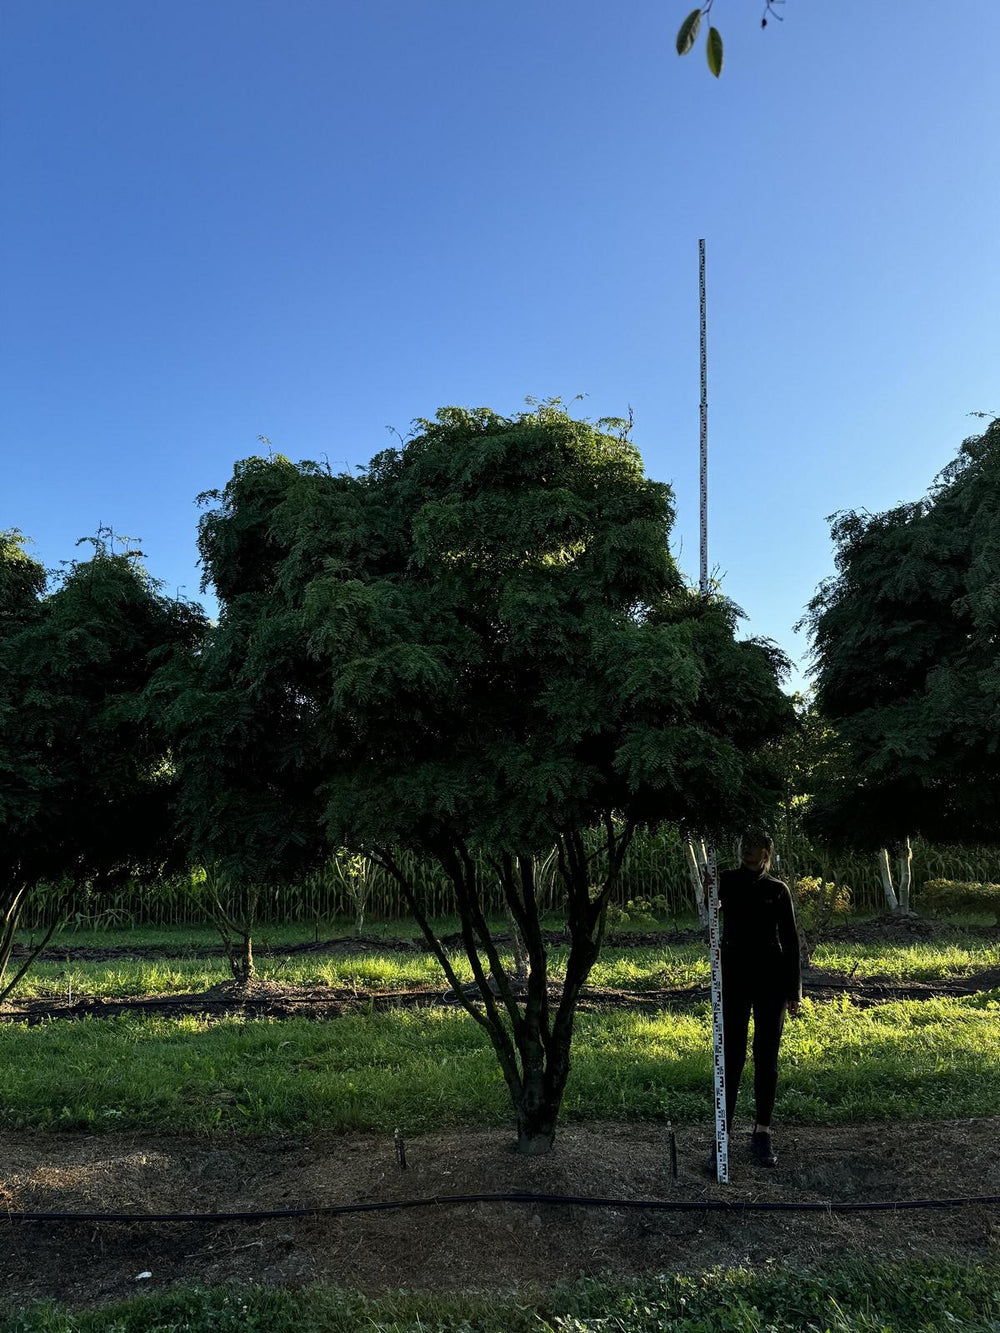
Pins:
x: 487, y: 653
x: 86, y: 787
x: 906, y: 643
x: 239, y: 714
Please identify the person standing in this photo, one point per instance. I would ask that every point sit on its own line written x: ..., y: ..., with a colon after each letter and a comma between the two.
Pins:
x: 761, y: 974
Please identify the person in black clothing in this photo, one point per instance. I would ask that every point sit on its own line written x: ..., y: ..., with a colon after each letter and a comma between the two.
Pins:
x: 760, y: 974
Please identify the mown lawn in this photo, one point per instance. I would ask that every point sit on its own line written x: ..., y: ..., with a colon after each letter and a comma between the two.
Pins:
x: 430, y: 1069
x: 848, y: 1298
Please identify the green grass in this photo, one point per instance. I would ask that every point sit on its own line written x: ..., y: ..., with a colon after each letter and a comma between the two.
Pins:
x: 637, y: 969
x: 428, y: 1069
x: 913, y: 1297
x: 619, y: 967
x: 121, y: 977
x: 931, y: 960
x: 185, y: 937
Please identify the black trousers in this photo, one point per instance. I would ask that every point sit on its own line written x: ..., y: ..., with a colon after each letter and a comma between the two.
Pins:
x: 758, y: 990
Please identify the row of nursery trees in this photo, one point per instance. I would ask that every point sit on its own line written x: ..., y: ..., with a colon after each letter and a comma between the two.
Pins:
x: 480, y: 652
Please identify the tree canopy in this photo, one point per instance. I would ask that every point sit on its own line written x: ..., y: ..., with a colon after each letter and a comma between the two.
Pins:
x: 86, y: 789
x: 239, y: 714
x: 907, y: 661
x: 479, y: 649
x: 509, y: 647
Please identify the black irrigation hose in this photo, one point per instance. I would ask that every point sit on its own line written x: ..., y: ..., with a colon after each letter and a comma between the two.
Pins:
x: 573, y: 1200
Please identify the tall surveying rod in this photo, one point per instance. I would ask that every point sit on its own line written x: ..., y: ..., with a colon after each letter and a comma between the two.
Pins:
x: 711, y: 865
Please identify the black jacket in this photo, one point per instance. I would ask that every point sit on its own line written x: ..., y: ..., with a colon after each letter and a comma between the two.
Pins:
x: 760, y: 940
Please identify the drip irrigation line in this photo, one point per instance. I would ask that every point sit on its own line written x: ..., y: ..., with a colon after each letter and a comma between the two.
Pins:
x: 533, y: 1200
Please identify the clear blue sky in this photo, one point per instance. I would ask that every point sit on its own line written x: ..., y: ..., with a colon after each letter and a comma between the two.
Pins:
x: 312, y: 219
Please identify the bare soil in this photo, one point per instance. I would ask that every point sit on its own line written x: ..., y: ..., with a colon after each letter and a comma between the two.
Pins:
x: 480, y: 1246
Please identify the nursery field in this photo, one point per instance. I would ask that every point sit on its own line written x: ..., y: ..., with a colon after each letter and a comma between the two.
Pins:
x: 135, y: 1077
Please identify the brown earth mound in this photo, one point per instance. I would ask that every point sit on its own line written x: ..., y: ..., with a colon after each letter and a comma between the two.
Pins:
x: 480, y: 1246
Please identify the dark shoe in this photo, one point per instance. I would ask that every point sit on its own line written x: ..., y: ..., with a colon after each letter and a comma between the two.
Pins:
x: 760, y: 1148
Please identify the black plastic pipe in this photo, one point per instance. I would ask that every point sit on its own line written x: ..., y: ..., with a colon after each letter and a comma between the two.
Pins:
x: 565, y: 1200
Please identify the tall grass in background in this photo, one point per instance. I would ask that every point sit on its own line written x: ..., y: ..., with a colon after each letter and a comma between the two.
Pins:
x: 655, y: 870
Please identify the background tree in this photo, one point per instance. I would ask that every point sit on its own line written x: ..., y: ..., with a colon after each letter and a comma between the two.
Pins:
x: 240, y: 715
x: 23, y: 782
x: 87, y: 790
x: 484, y: 649
x: 905, y: 644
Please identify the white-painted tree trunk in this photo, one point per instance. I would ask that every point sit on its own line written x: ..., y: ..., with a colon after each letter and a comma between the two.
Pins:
x: 905, y: 876
x: 885, y: 866
x: 697, y: 859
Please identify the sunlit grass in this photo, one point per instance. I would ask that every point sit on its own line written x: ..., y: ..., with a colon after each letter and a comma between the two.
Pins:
x: 134, y: 977
x: 623, y: 969
x: 619, y: 968
x: 931, y: 960
x: 434, y: 1068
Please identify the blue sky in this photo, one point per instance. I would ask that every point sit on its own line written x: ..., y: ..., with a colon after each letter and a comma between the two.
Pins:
x: 316, y: 220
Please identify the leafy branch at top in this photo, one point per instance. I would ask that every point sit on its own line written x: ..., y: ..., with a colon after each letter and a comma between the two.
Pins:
x: 687, y: 34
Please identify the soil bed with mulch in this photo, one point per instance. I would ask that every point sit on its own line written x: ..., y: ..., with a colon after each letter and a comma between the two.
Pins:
x: 270, y: 999
x: 473, y: 1246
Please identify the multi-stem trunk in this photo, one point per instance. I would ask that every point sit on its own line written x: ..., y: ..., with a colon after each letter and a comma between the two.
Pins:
x: 11, y: 908
x: 532, y: 1043
x: 236, y: 934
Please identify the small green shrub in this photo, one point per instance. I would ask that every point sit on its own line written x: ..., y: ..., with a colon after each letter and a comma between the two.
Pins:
x: 638, y: 911
x: 817, y: 903
x: 946, y: 897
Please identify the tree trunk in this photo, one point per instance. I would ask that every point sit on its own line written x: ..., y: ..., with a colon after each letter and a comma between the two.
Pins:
x: 532, y: 1045
x: 885, y: 868
x: 235, y: 932
x: 696, y: 862
x: 536, y: 1114
x: 905, y: 876
x: 247, y: 969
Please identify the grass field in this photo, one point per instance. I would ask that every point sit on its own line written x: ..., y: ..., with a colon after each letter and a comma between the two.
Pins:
x: 850, y: 1298
x: 637, y: 968
x: 431, y: 1068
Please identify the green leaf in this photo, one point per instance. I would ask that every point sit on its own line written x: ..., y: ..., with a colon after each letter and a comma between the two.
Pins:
x: 715, y: 51
x: 688, y: 32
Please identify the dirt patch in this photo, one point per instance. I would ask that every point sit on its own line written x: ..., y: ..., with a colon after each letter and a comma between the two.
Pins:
x: 820, y: 985
x: 272, y: 999
x: 459, y: 1247
x: 890, y: 929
